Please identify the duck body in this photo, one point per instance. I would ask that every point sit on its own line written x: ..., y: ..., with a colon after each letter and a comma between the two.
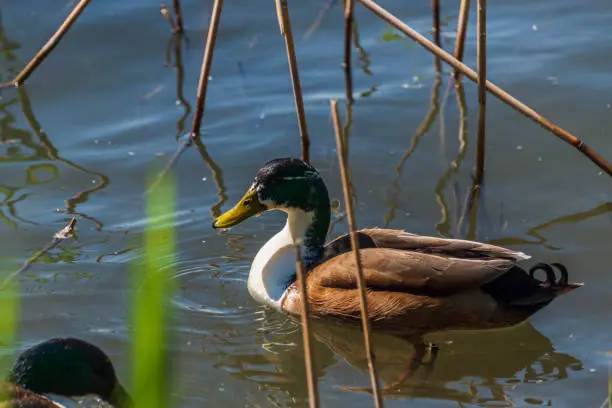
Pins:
x: 418, y: 283
x: 414, y: 283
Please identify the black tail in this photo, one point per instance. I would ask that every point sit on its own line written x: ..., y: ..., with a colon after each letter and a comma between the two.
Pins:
x: 521, y: 289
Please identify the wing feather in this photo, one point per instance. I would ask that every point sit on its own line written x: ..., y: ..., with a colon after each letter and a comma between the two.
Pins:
x: 459, y: 248
x: 407, y: 271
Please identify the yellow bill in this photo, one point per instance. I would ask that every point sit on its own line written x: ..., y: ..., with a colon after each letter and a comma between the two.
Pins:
x: 247, y: 207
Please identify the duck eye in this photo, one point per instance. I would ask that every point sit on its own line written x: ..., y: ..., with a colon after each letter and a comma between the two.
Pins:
x: 246, y: 202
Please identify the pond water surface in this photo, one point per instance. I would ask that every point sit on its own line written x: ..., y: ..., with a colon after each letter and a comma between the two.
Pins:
x: 105, y: 109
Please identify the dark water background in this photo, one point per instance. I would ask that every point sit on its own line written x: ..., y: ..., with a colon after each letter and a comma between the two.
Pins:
x: 103, y: 111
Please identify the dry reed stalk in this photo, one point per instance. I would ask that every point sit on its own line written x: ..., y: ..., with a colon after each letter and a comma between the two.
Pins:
x: 178, y: 16
x: 49, y: 46
x: 284, y: 23
x: 435, y: 7
x: 348, y: 32
x: 348, y: 203
x: 313, y: 386
x: 462, y: 21
x: 473, y: 209
x: 59, y: 236
x: 482, y: 90
x: 194, y: 134
x: 168, y: 17
x: 209, y: 50
x: 494, y: 89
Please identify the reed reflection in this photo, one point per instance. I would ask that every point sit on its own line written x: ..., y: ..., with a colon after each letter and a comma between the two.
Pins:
x: 175, y: 43
x: 423, y: 128
x: 443, y: 227
x: 174, y: 52
x: 40, y: 147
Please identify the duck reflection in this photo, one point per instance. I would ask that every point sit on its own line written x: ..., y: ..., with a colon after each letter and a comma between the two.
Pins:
x: 471, y: 366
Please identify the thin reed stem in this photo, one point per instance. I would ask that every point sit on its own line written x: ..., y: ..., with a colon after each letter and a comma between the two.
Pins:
x: 494, y: 89
x: 435, y: 7
x: 473, y: 210
x: 59, y: 236
x: 348, y: 32
x: 49, y: 46
x: 178, y: 16
x: 482, y: 90
x: 348, y: 203
x: 284, y: 23
x: 209, y: 50
x: 313, y: 386
x: 168, y: 17
x: 462, y: 21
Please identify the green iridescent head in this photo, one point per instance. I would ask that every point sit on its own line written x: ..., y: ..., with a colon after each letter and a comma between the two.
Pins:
x: 68, y: 367
x: 281, y: 184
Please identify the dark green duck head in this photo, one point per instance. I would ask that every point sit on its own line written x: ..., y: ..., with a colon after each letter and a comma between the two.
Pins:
x: 68, y: 367
x: 293, y: 186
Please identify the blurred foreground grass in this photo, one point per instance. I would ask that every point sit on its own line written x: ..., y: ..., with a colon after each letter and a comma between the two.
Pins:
x: 153, y: 286
x: 9, y: 322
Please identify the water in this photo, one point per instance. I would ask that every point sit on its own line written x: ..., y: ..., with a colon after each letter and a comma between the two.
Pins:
x: 102, y: 113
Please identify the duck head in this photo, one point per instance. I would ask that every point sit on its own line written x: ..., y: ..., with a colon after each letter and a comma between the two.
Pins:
x: 68, y: 367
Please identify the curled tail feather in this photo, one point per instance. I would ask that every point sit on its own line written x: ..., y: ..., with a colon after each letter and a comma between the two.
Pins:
x: 561, y: 284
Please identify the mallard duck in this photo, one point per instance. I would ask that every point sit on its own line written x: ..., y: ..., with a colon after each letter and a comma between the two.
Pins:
x: 415, y: 283
x: 65, y: 367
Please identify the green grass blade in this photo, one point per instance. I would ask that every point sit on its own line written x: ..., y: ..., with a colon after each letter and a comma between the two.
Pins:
x: 9, y: 323
x: 152, y: 289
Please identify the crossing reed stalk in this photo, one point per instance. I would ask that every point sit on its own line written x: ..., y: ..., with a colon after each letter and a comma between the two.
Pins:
x: 499, y: 93
x: 284, y: 22
x: 482, y: 90
x: 348, y: 203
x: 462, y: 21
x: 348, y: 33
x: 49, y: 46
x: 178, y: 16
x: 313, y: 386
x: 209, y: 50
x: 435, y: 7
